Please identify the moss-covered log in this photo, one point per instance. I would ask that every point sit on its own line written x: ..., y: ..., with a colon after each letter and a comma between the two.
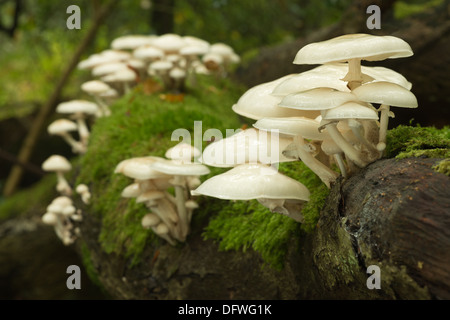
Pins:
x: 394, y: 214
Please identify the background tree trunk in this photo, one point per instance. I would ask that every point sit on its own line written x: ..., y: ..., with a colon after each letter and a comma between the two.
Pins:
x: 162, y: 15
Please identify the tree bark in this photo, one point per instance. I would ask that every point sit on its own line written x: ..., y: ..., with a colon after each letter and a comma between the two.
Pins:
x: 162, y: 16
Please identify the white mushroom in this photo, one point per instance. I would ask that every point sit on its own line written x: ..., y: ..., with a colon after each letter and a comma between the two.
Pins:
x: 247, y: 146
x: 179, y: 171
x: 300, y: 128
x: 352, y: 48
x: 62, y: 127
x: 96, y: 88
x: 386, y: 94
x: 79, y: 110
x: 59, y: 165
x: 256, y: 181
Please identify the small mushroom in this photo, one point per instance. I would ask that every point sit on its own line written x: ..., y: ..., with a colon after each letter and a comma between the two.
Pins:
x: 179, y: 171
x: 62, y: 127
x: 96, y: 88
x: 386, y: 94
x: 83, y: 190
x: 79, y: 110
x: 59, y: 165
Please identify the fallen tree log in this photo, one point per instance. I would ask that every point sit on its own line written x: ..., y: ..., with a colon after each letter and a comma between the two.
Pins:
x: 394, y: 214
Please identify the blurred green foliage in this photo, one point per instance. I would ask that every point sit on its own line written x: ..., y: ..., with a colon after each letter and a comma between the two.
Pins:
x: 403, y: 9
x: 33, y: 60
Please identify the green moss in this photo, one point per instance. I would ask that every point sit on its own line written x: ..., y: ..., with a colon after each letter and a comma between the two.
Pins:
x: 443, y: 167
x: 142, y: 125
x: 89, y: 266
x: 408, y: 141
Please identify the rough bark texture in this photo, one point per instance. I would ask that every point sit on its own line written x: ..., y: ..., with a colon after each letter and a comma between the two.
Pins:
x: 400, y: 216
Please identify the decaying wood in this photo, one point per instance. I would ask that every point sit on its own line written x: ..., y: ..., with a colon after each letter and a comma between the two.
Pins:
x: 394, y: 214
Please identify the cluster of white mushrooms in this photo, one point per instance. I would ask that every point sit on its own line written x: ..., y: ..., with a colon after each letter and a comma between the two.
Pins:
x: 170, y: 214
x: 170, y: 59
x: 61, y: 213
x: 325, y: 117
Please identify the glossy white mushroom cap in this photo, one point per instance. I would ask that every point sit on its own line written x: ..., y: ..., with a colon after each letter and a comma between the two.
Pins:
x: 150, y: 220
x: 246, y: 146
x: 258, y: 102
x: 50, y: 218
x: 95, y: 87
x: 252, y: 181
x: 56, y: 163
x: 183, y: 152
x: 122, y: 75
x: 169, y: 42
x: 293, y: 126
x: 131, y: 42
x: 317, y: 99
x: 108, y: 68
x: 77, y: 106
x: 139, y: 168
x: 353, y: 46
x: 351, y: 110
x: 61, y: 126
x: 173, y: 168
x: 148, y: 53
x: 131, y: 191
x: 387, y: 93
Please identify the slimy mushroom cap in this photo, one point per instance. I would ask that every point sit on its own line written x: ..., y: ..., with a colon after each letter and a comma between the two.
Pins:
x: 353, y: 46
x: 387, y: 93
x: 252, y: 181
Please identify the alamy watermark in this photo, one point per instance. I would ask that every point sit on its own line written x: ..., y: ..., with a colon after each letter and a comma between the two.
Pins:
x: 238, y: 147
x: 374, y: 20
x: 74, y: 280
x: 374, y: 281
x: 74, y: 20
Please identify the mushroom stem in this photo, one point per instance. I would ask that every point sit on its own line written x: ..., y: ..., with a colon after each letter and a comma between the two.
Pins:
x: 354, y: 75
x: 63, y: 186
x: 357, y: 129
x: 384, y: 120
x: 346, y: 147
x: 325, y: 174
x: 181, y: 208
x: 341, y: 165
x: 162, y: 214
x: 83, y: 130
x: 126, y: 87
x: 77, y: 146
x: 104, y: 108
